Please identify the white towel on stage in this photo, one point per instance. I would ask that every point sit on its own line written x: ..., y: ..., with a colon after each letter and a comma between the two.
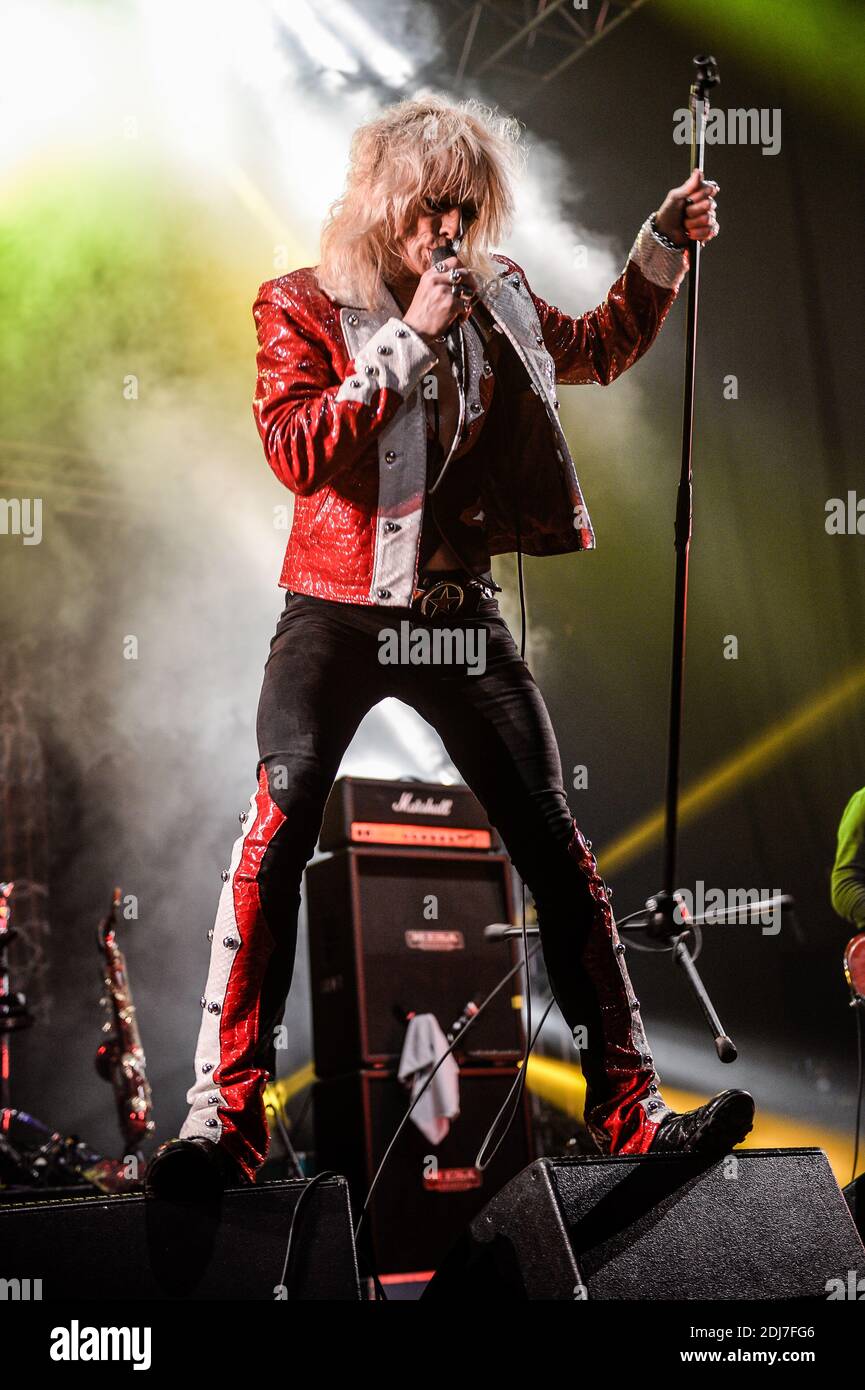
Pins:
x: 424, y: 1045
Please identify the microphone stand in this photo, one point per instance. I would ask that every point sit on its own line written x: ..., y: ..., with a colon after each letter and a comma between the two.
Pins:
x: 664, y: 918
x: 707, y: 77
x: 659, y: 919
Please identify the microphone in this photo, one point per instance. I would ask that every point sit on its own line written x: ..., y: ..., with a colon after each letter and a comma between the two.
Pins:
x: 502, y: 931
x: 443, y: 253
x: 451, y: 336
x: 479, y: 312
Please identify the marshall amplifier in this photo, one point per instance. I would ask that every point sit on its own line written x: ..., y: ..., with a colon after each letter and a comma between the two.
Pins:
x: 366, y: 810
x: 428, y: 1193
x: 399, y: 931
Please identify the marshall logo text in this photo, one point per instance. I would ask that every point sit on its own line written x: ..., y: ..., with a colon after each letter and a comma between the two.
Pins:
x: 415, y: 806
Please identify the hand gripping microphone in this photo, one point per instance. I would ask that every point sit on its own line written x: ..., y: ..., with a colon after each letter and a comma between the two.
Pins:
x: 443, y: 253
x: 451, y: 336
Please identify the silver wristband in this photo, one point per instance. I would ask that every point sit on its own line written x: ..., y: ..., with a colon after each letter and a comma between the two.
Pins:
x: 659, y: 236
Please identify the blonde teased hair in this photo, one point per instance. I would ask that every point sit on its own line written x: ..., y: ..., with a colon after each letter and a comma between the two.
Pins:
x: 423, y: 147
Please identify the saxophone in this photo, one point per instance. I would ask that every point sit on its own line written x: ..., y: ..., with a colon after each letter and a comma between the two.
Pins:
x: 120, y: 1058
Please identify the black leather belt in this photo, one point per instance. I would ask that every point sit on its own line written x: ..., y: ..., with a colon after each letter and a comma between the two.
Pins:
x: 447, y: 592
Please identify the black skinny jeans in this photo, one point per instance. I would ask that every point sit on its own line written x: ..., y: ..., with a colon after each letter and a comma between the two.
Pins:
x: 322, y: 676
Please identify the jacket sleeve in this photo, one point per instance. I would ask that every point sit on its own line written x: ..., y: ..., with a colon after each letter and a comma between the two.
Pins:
x: 848, y: 873
x: 312, y: 424
x: 598, y: 346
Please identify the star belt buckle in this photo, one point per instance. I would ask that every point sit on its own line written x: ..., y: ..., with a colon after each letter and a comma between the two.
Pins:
x: 445, y: 597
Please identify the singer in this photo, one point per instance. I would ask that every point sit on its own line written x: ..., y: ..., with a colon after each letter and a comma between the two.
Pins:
x: 406, y: 396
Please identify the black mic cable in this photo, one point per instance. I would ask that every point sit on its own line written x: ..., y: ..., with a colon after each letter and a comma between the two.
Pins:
x: 520, y: 965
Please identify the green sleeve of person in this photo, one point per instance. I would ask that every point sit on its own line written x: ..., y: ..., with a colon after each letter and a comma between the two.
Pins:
x: 848, y: 872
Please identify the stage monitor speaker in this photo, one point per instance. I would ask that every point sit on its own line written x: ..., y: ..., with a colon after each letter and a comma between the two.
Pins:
x: 428, y: 1192
x: 393, y: 932
x: 132, y: 1247
x: 758, y: 1224
x: 854, y: 1196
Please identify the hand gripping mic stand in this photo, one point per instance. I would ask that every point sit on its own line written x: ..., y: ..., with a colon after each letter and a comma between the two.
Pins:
x: 665, y: 918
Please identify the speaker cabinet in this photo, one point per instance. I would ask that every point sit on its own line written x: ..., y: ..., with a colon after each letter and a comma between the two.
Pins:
x: 427, y: 1193
x: 132, y: 1247
x: 854, y: 1196
x: 399, y: 931
x: 759, y: 1224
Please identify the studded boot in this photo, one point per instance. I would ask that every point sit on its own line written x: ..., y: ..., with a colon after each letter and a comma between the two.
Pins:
x: 234, y: 1040
x: 624, y: 1105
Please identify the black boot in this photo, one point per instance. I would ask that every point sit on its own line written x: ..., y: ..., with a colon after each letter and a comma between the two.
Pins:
x: 713, y: 1128
x: 188, y: 1170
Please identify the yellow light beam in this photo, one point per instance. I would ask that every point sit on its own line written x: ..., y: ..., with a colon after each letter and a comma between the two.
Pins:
x: 562, y: 1084
x: 742, y: 767
x: 278, y: 1093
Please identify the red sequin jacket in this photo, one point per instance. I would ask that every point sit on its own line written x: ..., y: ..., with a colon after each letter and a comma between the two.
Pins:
x: 339, y: 407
